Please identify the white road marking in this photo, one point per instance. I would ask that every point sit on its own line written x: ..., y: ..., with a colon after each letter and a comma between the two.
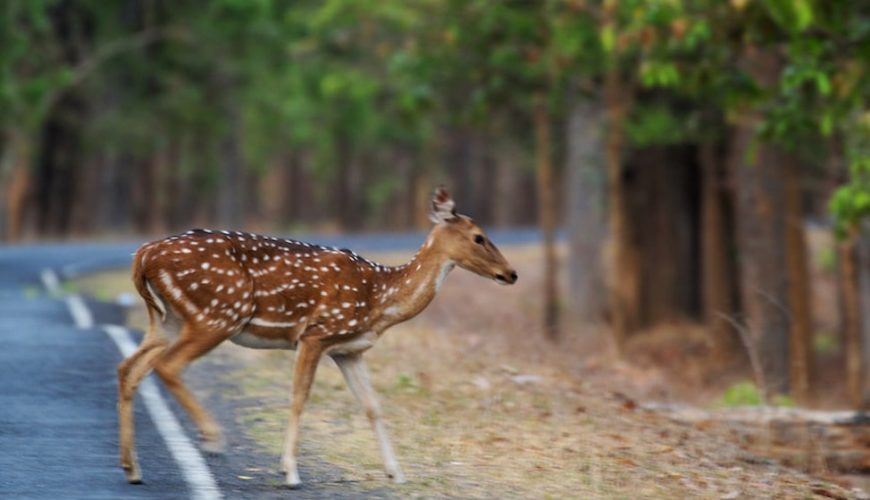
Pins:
x: 78, y: 310
x: 50, y: 281
x: 190, y: 461
x: 81, y: 314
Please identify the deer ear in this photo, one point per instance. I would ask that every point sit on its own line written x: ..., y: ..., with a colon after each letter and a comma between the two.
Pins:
x: 443, y: 207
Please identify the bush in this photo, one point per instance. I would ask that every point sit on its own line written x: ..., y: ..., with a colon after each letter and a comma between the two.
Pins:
x: 741, y: 394
x: 746, y: 393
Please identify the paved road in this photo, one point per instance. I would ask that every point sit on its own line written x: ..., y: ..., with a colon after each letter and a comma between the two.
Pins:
x: 57, y: 411
x: 57, y: 401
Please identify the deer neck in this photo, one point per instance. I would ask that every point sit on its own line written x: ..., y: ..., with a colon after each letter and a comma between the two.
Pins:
x: 407, y: 289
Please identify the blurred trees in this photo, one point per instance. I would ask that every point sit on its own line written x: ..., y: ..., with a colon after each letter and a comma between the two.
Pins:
x: 684, y: 131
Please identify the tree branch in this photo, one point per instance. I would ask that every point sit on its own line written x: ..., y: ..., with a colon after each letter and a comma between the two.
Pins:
x: 754, y: 360
x: 100, y: 56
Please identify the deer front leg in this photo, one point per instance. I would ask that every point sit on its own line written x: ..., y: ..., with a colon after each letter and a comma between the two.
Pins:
x: 356, y: 374
x: 307, y: 356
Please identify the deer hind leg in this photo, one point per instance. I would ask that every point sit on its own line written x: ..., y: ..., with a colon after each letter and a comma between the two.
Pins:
x: 307, y: 357
x: 356, y: 374
x: 131, y: 371
x: 191, y: 344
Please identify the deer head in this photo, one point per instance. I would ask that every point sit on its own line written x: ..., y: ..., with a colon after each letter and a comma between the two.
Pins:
x: 465, y: 243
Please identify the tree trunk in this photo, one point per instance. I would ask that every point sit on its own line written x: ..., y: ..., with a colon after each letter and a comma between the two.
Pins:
x: 624, y: 279
x: 764, y: 274
x: 759, y: 169
x: 505, y: 186
x: 854, y: 254
x: 860, y: 369
x: 584, y: 214
x: 836, y: 175
x: 852, y: 321
x: 460, y: 163
x: 348, y: 184
x: 114, y: 184
x: 231, y: 190
x: 14, y: 183
x: 485, y: 180
x: 547, y: 214
x: 800, y: 331
x: 717, y: 279
x: 663, y: 193
x: 423, y: 187
x: 292, y: 202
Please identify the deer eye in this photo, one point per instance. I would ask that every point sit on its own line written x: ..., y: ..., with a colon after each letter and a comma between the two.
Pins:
x: 479, y: 239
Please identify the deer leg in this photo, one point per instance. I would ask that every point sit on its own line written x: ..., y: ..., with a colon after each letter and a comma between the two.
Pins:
x: 355, y: 372
x: 169, y: 366
x: 307, y: 357
x: 131, y: 371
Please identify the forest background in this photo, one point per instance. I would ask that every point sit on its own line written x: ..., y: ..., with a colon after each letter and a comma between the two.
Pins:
x: 691, y: 149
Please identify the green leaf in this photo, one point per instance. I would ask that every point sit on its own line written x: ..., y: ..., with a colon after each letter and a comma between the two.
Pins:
x: 608, y: 38
x: 803, y: 14
x: 826, y: 125
x: 823, y: 83
x: 792, y: 15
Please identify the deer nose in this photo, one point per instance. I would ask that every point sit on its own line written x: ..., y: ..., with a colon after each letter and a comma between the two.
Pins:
x: 513, y: 276
x: 510, y: 279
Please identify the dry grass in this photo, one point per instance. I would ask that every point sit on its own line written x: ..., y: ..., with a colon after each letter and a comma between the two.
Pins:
x: 480, y: 406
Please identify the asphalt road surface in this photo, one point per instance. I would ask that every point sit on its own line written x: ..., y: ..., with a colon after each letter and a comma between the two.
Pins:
x: 58, y: 437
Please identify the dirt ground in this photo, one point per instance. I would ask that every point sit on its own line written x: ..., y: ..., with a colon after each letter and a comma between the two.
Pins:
x: 479, y: 405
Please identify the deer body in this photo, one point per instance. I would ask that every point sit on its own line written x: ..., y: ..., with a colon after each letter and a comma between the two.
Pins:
x: 270, y: 293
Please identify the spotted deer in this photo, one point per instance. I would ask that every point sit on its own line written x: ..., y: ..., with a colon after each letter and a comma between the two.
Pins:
x: 263, y: 292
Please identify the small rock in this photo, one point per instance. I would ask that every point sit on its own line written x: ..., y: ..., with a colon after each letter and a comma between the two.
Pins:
x: 481, y: 383
x: 527, y: 379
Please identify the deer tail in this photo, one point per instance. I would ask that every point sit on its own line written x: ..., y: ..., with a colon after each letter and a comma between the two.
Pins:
x: 143, y: 286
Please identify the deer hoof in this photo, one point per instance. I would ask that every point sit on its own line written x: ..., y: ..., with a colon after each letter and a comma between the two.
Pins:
x: 293, y: 481
x: 134, y: 476
x: 130, y: 464
x: 215, y: 445
x: 396, y: 476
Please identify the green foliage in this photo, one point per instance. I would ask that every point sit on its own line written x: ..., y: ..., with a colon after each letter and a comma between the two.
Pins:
x: 794, y: 16
x: 783, y: 400
x: 851, y: 202
x: 337, y: 81
x: 747, y: 394
x: 741, y: 394
x: 656, y: 123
